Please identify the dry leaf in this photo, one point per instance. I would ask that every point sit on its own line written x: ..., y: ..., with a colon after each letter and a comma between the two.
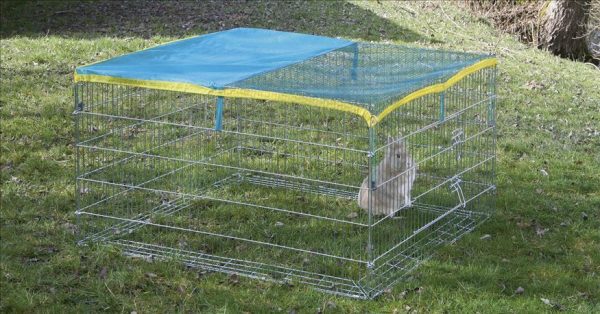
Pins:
x: 531, y: 85
x: 103, y: 273
x: 32, y: 260
x: 546, y: 301
x: 540, y: 231
x: 331, y: 304
x: 552, y: 304
x: 73, y: 229
x: 352, y: 215
x: 234, y: 279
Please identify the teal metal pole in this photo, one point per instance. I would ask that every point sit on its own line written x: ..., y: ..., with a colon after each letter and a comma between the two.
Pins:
x: 219, y: 114
x: 353, y: 73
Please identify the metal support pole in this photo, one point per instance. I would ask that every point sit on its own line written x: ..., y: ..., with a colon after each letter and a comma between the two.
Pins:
x: 492, y: 96
x: 372, y: 185
x: 353, y: 73
x: 219, y: 114
x: 78, y: 108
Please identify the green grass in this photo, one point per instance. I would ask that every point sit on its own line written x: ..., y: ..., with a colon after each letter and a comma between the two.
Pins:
x: 548, y: 117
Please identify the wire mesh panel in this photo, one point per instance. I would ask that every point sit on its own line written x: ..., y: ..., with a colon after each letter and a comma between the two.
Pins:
x: 287, y: 192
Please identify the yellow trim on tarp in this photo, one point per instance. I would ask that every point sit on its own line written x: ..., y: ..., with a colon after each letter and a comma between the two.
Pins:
x: 289, y: 98
x: 438, y: 88
x: 230, y: 92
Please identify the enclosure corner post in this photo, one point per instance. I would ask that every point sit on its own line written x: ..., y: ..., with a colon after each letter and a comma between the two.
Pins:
x: 372, y: 187
x: 492, y: 120
x: 492, y: 97
x: 78, y: 109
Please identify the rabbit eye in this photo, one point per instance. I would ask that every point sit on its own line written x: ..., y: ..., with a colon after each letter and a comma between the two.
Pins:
x: 398, y: 155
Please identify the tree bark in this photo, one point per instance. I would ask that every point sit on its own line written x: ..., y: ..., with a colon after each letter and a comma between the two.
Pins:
x: 563, y: 28
x: 593, y: 42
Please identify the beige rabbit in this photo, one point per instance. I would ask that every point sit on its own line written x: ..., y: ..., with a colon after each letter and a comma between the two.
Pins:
x: 397, y: 171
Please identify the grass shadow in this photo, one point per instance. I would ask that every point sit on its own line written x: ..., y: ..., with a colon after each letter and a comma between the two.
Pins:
x: 147, y: 19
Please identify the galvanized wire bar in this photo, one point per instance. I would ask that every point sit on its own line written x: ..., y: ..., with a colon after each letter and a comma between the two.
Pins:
x: 247, y: 268
x: 285, y: 192
x: 149, y: 223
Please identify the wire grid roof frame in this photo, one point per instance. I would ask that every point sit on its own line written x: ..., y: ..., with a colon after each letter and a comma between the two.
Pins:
x: 367, y: 79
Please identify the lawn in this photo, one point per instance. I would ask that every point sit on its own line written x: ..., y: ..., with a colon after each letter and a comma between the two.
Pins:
x: 543, y: 239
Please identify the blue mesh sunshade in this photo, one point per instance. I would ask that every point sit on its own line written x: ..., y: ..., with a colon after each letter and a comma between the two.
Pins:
x: 218, y: 59
x: 363, y: 78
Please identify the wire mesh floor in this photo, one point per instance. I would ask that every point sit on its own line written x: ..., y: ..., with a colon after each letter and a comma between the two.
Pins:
x: 394, y: 265
x: 460, y: 224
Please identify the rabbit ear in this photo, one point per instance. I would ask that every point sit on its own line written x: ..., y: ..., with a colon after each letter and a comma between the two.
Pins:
x: 390, y: 139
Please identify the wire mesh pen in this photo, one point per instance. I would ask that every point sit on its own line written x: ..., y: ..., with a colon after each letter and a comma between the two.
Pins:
x: 286, y: 157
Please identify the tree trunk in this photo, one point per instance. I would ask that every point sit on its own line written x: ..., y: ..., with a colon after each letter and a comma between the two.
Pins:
x: 563, y: 28
x: 593, y: 41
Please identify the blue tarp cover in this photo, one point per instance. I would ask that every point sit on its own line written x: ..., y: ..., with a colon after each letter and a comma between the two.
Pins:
x: 368, y: 79
x: 218, y: 59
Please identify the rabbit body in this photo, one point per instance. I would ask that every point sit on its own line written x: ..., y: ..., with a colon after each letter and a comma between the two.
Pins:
x: 398, y: 170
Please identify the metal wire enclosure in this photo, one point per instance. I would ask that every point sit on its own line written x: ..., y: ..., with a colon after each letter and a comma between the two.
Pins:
x: 270, y: 189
